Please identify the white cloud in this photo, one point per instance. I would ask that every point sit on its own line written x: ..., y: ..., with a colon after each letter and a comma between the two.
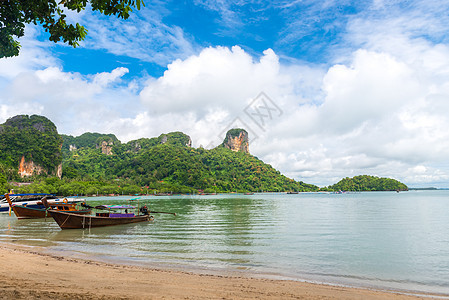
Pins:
x: 105, y: 78
x: 381, y: 110
x: 76, y: 103
x: 216, y: 78
x: 33, y: 55
x: 378, y: 115
x: 376, y: 112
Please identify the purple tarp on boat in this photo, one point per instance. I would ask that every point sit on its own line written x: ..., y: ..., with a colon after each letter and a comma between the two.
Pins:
x: 121, y: 215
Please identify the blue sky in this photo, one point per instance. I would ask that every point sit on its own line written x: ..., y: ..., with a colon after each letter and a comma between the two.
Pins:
x: 306, y: 30
x: 355, y: 87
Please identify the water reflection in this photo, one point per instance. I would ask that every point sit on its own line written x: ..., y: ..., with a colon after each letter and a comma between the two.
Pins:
x: 377, y: 239
x: 208, y: 231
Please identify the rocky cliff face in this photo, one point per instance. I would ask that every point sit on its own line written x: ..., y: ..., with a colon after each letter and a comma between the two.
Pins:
x: 59, y: 170
x: 237, y: 140
x: 30, y: 168
x: 106, y: 147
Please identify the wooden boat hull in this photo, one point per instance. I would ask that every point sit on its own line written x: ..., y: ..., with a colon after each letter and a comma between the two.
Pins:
x: 23, y: 212
x: 37, y: 203
x: 67, y: 220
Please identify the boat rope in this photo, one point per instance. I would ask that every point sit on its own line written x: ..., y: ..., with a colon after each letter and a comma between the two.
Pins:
x: 64, y: 221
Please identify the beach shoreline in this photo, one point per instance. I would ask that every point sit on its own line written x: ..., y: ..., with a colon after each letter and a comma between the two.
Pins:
x: 28, y: 273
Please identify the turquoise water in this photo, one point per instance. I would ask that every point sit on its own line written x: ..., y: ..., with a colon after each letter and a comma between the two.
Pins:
x: 383, y: 240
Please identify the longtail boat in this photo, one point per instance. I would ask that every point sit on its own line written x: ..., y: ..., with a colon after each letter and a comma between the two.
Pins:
x: 25, y: 212
x: 32, y: 200
x: 68, y: 220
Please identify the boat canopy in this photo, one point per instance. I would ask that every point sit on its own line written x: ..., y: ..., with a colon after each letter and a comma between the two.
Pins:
x: 117, y: 206
x: 38, y: 194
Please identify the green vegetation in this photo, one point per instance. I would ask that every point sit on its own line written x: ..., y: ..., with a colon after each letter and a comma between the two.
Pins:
x: 34, y: 138
x: 232, y: 133
x: 172, y: 167
x: 3, y: 183
x: 86, y: 140
x: 54, y: 185
x: 368, y: 183
x: 175, y: 139
x: 52, y: 16
x: 165, y: 164
x: 235, y: 132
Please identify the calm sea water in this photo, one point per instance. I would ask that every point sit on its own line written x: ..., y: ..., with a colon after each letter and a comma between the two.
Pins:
x: 381, y: 240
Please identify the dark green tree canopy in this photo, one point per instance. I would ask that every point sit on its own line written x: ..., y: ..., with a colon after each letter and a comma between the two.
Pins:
x: 32, y: 137
x: 368, y: 183
x: 14, y: 14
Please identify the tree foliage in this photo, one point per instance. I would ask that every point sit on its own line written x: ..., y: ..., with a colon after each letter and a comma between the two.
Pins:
x: 165, y: 164
x: 368, y: 183
x: 14, y: 14
x: 86, y: 140
x: 32, y: 137
x: 149, y: 162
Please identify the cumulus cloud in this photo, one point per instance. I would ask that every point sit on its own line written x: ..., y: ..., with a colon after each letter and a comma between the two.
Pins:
x: 379, y: 106
x: 376, y: 112
x: 75, y: 102
x: 217, y: 77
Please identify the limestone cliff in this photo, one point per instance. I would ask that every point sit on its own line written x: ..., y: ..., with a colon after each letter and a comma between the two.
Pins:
x: 237, y: 140
x: 59, y: 170
x: 106, y: 147
x: 29, y: 168
x: 30, y: 145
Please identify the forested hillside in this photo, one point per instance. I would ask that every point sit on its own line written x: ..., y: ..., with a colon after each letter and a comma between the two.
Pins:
x: 99, y: 163
x: 32, y: 151
x: 86, y: 140
x: 167, y: 163
x: 368, y: 183
x: 30, y: 140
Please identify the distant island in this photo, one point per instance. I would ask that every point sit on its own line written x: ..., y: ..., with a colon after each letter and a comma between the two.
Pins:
x: 34, y: 157
x: 367, y: 183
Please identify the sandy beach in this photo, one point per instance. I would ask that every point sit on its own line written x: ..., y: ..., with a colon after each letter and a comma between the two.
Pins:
x: 32, y: 274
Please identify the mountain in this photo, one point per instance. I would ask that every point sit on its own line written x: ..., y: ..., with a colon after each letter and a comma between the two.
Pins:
x: 32, y: 150
x: 169, y: 162
x: 30, y: 145
x: 237, y: 140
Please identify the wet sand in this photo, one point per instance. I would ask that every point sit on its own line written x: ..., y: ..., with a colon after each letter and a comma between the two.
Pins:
x: 32, y: 274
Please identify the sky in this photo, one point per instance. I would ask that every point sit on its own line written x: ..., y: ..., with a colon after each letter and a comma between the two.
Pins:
x: 326, y: 89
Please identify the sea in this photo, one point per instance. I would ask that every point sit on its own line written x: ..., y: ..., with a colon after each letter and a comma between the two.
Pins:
x: 377, y: 240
